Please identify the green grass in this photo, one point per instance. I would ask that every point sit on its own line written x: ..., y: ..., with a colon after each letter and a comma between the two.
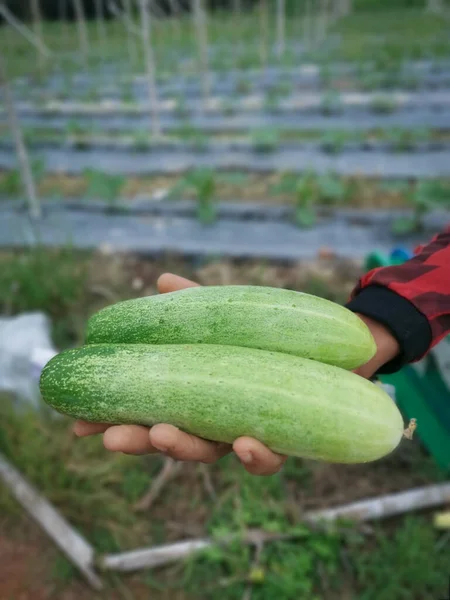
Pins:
x: 96, y: 490
x: 408, y: 33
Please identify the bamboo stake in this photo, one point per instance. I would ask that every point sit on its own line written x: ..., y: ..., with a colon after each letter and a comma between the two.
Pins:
x: 24, y: 31
x: 200, y: 26
x: 101, y: 31
x: 22, y: 155
x: 176, y: 25
x: 37, y: 26
x: 150, y: 65
x: 236, y: 23
x: 131, y: 46
x: 281, y: 28
x: 264, y: 33
x: 308, y: 26
x: 322, y: 22
x: 82, y: 31
x: 434, y: 6
x: 72, y: 543
x: 128, y: 24
x: 366, y: 510
x: 63, y: 17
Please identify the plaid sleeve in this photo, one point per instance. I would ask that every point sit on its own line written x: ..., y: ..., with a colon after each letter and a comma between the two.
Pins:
x: 412, y: 299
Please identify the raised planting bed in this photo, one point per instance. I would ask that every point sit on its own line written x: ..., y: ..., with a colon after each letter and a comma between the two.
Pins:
x: 153, y: 235
x: 385, y: 164
x: 237, y: 210
x: 328, y: 104
x: 423, y: 73
x: 138, y: 90
x: 260, y: 142
x: 351, y: 119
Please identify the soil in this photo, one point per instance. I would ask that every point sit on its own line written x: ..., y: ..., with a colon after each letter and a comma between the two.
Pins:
x: 257, y: 187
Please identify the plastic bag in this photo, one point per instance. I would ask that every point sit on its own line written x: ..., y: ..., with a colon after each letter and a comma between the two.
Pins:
x: 25, y: 348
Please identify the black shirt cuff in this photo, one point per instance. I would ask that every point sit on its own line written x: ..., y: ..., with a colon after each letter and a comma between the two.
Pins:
x: 407, y: 324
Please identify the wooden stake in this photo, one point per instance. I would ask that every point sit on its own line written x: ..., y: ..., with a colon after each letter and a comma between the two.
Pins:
x: 22, y: 155
x: 70, y: 541
x: 264, y: 33
x: 131, y: 46
x: 37, y: 26
x: 365, y: 510
x: 82, y: 30
x: 24, y: 31
x: 200, y: 26
x: 150, y: 66
x: 281, y: 28
x: 101, y: 31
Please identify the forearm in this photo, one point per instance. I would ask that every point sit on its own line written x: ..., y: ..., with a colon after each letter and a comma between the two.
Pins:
x: 411, y: 302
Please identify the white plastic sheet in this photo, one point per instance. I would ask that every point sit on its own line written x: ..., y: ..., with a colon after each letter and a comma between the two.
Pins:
x: 25, y: 348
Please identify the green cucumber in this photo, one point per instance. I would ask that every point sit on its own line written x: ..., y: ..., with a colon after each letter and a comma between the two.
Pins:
x: 294, y: 405
x: 249, y: 316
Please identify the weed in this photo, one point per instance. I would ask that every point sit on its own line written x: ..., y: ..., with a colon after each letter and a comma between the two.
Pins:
x: 406, y: 566
x: 11, y: 183
x: 52, y: 282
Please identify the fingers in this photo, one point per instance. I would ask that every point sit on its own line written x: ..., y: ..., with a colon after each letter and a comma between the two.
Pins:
x: 183, y: 446
x: 130, y: 439
x: 168, y: 282
x: 83, y: 428
x: 257, y: 458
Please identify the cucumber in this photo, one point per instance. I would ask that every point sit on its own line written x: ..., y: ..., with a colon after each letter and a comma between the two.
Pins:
x: 294, y: 405
x: 248, y: 316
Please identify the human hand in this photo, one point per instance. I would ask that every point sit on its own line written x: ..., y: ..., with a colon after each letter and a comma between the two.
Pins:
x: 167, y: 439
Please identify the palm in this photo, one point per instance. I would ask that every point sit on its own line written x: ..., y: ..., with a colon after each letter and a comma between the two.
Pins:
x: 136, y: 439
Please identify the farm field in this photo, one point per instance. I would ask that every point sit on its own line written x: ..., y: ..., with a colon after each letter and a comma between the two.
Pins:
x: 240, y: 145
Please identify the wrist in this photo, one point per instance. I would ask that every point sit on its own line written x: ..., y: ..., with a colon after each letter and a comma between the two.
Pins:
x: 387, y: 347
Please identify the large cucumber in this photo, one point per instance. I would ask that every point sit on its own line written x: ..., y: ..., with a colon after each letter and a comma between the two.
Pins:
x: 249, y: 316
x: 294, y: 405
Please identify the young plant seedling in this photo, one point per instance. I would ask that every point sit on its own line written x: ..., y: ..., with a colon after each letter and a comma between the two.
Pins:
x: 306, y: 198
x: 142, y: 141
x: 229, y: 107
x: 305, y: 195
x: 181, y: 108
x: 426, y: 196
x: 264, y: 141
x: 330, y: 104
x: 272, y: 101
x: 243, y: 86
x: 203, y: 183
x: 331, y: 189
x: 105, y: 186
x: 334, y: 142
x: 383, y: 105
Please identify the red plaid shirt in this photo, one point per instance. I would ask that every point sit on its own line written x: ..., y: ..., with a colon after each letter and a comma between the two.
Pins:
x: 423, y: 280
